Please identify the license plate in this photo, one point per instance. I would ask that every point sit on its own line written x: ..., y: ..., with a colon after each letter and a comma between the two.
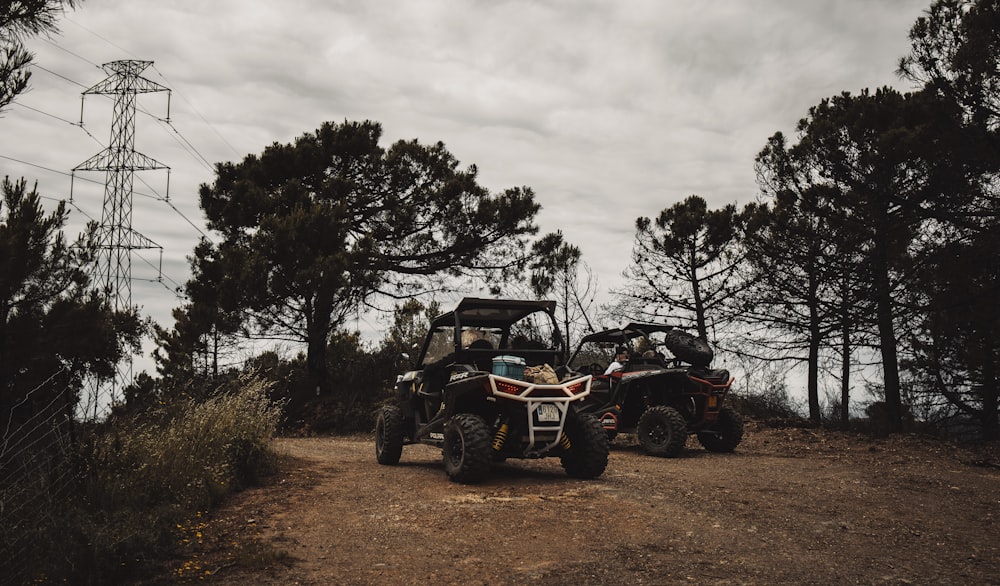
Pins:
x: 548, y: 413
x: 713, y: 402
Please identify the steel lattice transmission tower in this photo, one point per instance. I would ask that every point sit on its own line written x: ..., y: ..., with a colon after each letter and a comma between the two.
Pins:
x: 116, y: 239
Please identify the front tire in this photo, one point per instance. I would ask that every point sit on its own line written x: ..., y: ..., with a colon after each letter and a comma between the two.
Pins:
x: 588, y: 453
x: 726, y: 434
x: 467, y: 452
x: 389, y: 435
x: 662, y: 431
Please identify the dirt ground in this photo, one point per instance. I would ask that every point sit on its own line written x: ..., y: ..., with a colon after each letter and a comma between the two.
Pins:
x: 791, y: 506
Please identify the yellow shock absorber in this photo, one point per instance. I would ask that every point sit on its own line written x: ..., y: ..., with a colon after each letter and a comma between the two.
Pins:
x: 564, y: 441
x: 500, y: 437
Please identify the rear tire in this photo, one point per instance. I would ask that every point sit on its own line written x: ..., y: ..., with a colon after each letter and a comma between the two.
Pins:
x: 389, y: 435
x: 726, y: 434
x: 588, y: 453
x: 467, y: 451
x: 662, y: 431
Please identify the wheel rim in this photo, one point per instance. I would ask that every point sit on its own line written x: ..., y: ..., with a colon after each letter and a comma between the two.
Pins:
x: 456, y: 449
x: 659, y: 434
x: 380, y: 435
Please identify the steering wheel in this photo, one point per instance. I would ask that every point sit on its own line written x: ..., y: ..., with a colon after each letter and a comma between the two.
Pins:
x: 596, y: 369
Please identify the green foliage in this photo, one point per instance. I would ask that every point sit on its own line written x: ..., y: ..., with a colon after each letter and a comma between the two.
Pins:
x: 683, y: 264
x: 361, y: 378
x: 138, y: 481
x: 313, y: 230
x: 409, y: 327
x: 54, y: 330
x: 18, y: 20
x: 955, y: 50
x: 768, y: 402
x: 203, y: 450
x: 807, y: 264
x: 555, y: 273
x: 953, y: 368
x: 956, y: 345
x: 885, y: 164
x: 553, y: 261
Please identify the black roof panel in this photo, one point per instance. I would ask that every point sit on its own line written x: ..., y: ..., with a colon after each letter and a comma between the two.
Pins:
x: 499, y: 313
x: 632, y: 330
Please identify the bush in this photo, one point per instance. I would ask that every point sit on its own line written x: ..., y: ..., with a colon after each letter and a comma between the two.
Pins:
x: 139, y: 482
x: 770, y: 406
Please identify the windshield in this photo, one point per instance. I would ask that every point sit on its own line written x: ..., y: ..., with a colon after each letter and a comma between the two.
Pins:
x: 602, y: 352
x: 442, y: 342
x: 535, y: 331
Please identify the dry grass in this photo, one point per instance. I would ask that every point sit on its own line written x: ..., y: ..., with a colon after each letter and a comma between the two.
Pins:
x: 142, y: 482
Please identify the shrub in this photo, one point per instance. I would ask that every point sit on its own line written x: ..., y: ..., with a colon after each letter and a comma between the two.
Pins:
x: 771, y: 405
x: 139, y: 479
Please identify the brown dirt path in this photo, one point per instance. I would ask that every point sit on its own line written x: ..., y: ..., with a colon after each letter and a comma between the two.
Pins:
x: 789, y: 507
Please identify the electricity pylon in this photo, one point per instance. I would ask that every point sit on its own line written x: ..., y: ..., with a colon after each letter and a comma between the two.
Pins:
x: 112, y: 273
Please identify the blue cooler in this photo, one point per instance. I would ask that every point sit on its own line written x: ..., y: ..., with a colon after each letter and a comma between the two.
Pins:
x: 509, y: 366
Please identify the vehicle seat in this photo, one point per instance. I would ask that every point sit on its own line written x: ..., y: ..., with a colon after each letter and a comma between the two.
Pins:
x: 715, y: 376
x: 482, y: 362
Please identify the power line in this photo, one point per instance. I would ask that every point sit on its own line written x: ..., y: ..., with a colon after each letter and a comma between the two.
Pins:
x: 193, y: 149
x: 177, y: 136
x: 26, y: 107
x: 203, y: 119
x: 34, y: 165
x: 158, y: 72
x: 96, y: 182
x: 78, y: 25
x: 70, y: 203
x: 183, y: 142
x: 64, y: 49
x: 49, y: 71
x: 187, y: 146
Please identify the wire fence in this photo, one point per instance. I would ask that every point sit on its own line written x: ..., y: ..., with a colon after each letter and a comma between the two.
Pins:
x: 38, y: 473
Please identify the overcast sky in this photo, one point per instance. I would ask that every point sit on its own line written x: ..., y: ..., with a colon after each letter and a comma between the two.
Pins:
x: 608, y: 110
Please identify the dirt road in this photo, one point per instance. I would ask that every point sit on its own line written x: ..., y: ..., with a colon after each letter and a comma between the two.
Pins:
x: 789, y: 507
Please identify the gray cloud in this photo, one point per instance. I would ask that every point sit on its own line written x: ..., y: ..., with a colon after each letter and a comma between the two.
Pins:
x: 608, y: 110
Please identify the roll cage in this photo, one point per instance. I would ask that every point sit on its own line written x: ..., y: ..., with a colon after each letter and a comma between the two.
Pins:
x: 619, y: 336
x: 495, y: 319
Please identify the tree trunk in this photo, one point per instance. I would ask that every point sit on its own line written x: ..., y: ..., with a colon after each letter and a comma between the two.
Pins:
x: 215, y: 353
x: 318, y: 326
x: 316, y: 361
x: 845, y: 377
x: 812, y: 379
x: 815, y: 337
x: 990, y: 423
x: 845, y: 356
x: 565, y: 305
x: 886, y: 328
x: 699, y: 303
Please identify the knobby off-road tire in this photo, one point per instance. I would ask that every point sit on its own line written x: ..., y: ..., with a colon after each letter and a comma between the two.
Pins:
x: 467, y: 452
x: 726, y: 434
x: 662, y: 431
x: 689, y: 348
x: 588, y: 453
x: 389, y: 435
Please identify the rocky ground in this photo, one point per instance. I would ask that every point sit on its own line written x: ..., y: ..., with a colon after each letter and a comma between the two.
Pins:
x: 791, y: 506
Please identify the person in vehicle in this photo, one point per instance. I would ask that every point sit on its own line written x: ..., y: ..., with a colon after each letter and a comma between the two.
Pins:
x: 621, y: 358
